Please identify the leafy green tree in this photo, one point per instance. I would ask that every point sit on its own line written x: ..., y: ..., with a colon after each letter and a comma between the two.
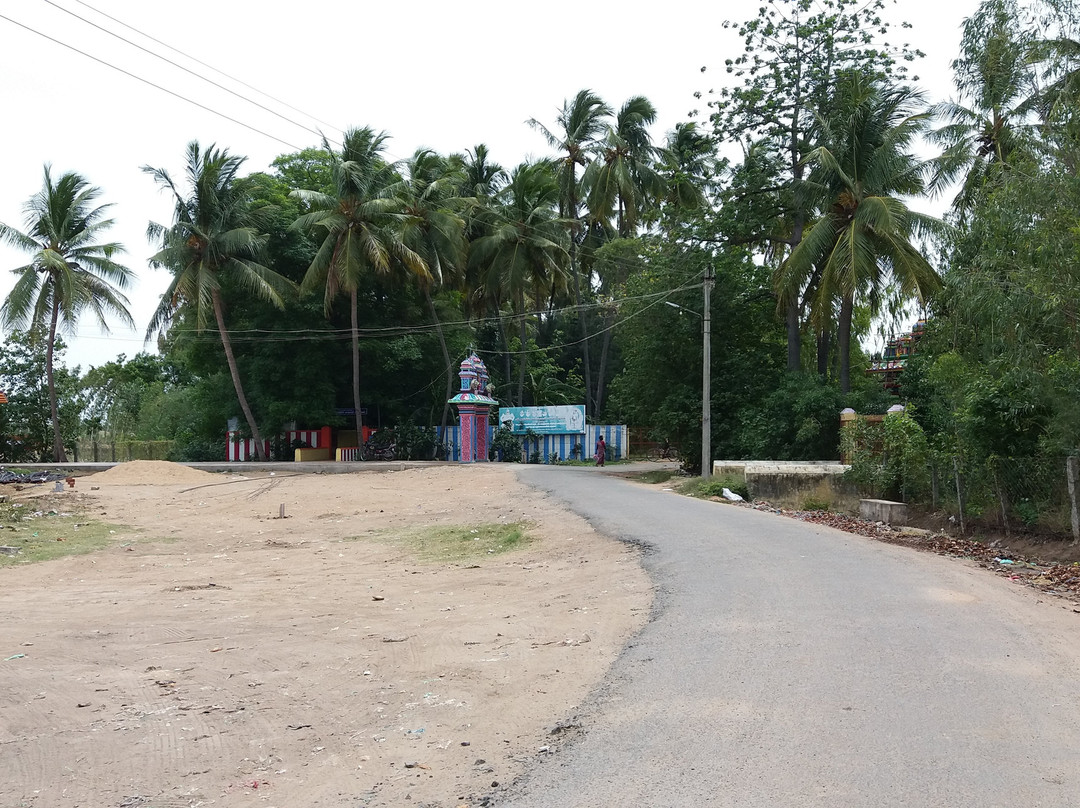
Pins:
x: 359, y: 227
x: 659, y: 386
x: 997, y: 373
x: 26, y: 426
x: 116, y: 391
x: 792, y: 51
x: 214, y: 238
x: 70, y: 272
x: 309, y: 168
x: 864, y: 241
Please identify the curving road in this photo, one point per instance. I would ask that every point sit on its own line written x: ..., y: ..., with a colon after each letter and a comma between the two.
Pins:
x: 789, y: 665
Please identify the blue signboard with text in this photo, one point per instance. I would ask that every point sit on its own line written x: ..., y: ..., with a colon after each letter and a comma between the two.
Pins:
x: 561, y: 420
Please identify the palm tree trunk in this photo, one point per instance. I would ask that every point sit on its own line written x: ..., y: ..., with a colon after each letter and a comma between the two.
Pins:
x: 586, y: 365
x: 601, y: 382
x: 791, y: 312
x: 843, y: 338
x: 523, y: 358
x: 446, y: 359
x: 794, y: 337
x: 59, y: 455
x: 823, y: 346
x: 226, y: 343
x: 506, y: 351
x: 358, y: 416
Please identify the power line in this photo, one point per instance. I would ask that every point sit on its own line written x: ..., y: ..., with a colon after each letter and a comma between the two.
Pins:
x: 185, y: 69
x: 150, y: 83
x: 207, y: 66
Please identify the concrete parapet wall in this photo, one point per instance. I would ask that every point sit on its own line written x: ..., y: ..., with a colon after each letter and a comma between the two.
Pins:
x: 883, y: 510
x: 307, y: 455
x: 792, y: 483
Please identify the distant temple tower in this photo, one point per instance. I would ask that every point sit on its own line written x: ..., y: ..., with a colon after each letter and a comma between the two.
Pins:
x: 473, y: 403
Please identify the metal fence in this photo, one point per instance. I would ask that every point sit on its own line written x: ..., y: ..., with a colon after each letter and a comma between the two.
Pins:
x: 92, y: 451
x: 1008, y: 493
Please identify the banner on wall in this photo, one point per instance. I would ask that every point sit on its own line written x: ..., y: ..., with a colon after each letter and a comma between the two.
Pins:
x: 561, y: 420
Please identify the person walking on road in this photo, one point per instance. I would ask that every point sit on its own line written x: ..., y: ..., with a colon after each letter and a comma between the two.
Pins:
x: 601, y: 450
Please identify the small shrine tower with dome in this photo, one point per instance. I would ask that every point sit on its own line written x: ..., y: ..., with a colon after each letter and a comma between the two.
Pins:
x: 474, y: 402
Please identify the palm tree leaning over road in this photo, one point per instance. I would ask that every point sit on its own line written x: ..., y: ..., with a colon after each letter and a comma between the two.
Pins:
x: 215, y: 233
x: 863, y: 236
x: 70, y: 271
x: 359, y: 225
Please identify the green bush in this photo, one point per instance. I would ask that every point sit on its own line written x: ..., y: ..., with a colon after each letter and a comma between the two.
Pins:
x: 714, y: 487
x: 506, y: 447
x: 889, y: 459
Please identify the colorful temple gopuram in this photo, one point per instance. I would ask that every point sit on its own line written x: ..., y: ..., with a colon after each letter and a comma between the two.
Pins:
x: 890, y: 364
x: 474, y: 402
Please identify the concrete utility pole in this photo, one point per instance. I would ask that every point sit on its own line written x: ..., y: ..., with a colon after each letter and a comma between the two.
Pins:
x: 706, y: 373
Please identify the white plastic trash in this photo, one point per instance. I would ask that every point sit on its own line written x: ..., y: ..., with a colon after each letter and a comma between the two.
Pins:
x: 731, y: 495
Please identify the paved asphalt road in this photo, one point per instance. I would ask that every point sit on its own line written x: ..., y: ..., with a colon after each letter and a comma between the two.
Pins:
x: 789, y: 665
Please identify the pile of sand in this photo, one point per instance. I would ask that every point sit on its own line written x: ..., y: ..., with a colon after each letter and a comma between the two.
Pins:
x: 153, y: 472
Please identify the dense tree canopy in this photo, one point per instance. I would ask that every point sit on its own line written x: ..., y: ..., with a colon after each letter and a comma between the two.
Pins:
x: 345, y: 286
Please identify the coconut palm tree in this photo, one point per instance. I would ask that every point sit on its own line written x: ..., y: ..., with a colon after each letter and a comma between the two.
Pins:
x: 215, y: 234
x: 861, y: 244
x: 623, y: 182
x: 528, y: 249
x: 579, y: 127
x: 994, y: 78
x: 481, y: 178
x: 687, y: 162
x: 359, y: 227
x: 70, y: 272
x: 434, y: 230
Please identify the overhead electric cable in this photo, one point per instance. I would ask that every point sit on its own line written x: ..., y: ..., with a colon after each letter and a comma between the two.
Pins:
x: 209, y: 66
x: 187, y: 70
x: 145, y: 81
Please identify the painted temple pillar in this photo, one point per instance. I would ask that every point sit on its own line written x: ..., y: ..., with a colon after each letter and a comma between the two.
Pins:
x: 474, y: 402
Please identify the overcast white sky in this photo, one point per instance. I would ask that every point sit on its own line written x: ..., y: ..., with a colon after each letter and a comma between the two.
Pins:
x: 437, y: 74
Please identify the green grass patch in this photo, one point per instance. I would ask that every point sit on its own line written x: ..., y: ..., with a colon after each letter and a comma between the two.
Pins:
x: 714, y: 487
x: 656, y: 476
x: 456, y: 543
x: 620, y: 462
x: 39, y: 532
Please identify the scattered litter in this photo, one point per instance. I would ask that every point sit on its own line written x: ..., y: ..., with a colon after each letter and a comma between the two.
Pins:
x: 1004, y: 561
x: 731, y: 496
x: 33, y: 477
x: 15, y: 656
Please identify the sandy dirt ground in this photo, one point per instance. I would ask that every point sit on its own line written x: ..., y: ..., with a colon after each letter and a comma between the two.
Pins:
x: 216, y: 655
